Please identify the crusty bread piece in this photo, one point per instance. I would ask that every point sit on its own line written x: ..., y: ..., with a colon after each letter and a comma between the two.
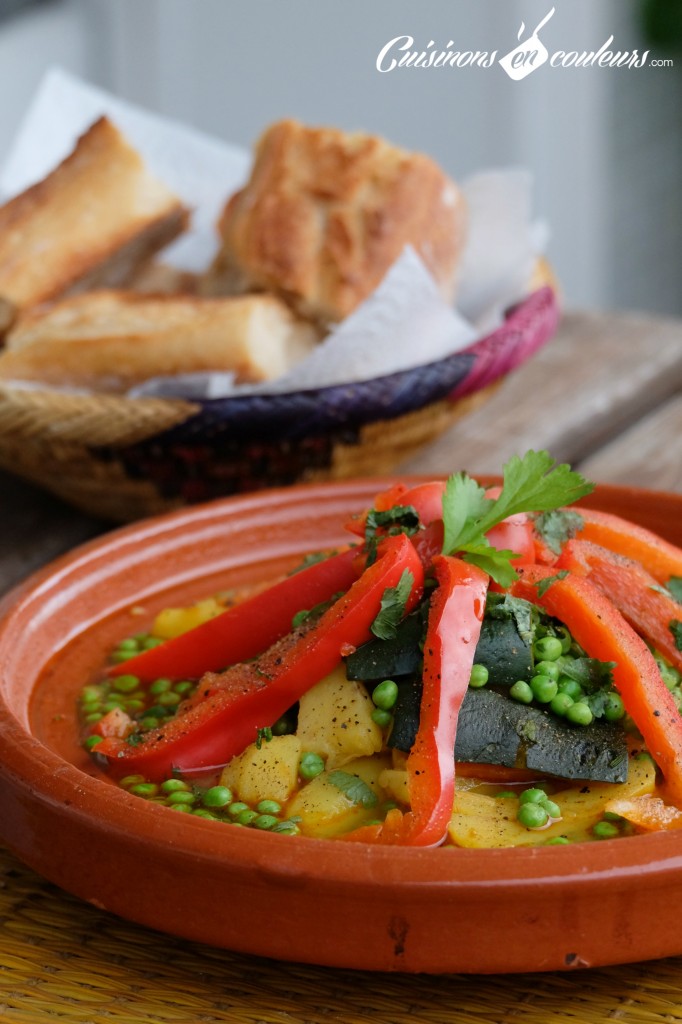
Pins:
x: 325, y: 214
x: 112, y: 340
x: 157, y: 278
x: 93, y: 221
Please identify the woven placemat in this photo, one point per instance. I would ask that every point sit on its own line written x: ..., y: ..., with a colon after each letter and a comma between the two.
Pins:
x: 63, y: 960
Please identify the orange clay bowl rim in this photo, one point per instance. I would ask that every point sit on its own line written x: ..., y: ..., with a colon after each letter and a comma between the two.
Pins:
x: 88, y: 836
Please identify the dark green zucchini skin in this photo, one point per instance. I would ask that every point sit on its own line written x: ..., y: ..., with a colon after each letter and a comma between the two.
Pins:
x: 493, y: 729
x: 504, y: 652
x: 388, y: 659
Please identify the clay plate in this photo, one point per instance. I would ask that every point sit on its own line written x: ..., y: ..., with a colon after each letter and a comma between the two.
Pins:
x: 292, y: 898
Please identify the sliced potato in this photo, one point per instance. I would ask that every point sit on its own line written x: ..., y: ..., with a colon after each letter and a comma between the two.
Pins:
x: 174, y: 621
x: 270, y: 773
x: 335, y: 721
x: 324, y: 808
x: 483, y: 821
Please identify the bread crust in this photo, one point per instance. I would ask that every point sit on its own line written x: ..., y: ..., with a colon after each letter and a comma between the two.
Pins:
x: 93, y: 221
x: 112, y: 340
x: 326, y: 213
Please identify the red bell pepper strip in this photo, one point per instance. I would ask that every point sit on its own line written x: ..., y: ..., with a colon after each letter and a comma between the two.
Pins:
x: 658, y: 556
x: 247, y: 629
x: 454, y: 626
x: 633, y: 591
x: 226, y: 711
x: 602, y: 631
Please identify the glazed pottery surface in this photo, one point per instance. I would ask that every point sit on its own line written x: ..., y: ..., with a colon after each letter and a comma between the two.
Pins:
x: 294, y: 898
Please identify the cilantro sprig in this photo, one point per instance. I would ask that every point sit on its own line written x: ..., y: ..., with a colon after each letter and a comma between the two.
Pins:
x: 533, y: 483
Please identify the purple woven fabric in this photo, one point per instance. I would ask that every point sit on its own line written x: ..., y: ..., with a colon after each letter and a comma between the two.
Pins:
x: 349, y: 406
x: 243, y: 444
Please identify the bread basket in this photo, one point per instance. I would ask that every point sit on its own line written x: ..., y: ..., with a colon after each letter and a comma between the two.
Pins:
x: 122, y: 458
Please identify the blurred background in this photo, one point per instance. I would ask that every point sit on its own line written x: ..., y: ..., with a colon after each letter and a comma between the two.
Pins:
x: 604, y: 144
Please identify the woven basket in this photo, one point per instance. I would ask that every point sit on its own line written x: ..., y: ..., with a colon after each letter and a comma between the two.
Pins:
x: 122, y: 459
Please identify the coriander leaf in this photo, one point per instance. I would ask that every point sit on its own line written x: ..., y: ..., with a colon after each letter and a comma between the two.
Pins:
x: 543, y: 586
x: 675, y: 587
x: 311, y: 559
x: 536, y: 483
x: 263, y: 735
x: 591, y: 673
x: 494, y: 561
x: 355, y: 788
x: 524, y: 614
x: 675, y: 628
x: 393, y: 603
x: 531, y: 484
x: 557, y: 526
x: 464, y: 505
x: 399, y: 519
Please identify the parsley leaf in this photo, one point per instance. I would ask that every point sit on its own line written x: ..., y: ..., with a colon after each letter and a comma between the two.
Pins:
x: 263, y: 735
x: 675, y: 628
x: 557, y: 526
x: 534, y: 483
x: 393, y: 603
x: 675, y: 587
x: 357, y: 791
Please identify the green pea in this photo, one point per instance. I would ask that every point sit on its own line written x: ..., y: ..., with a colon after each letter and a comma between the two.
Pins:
x: 131, y: 780
x: 533, y: 796
x: 565, y: 638
x: 201, y: 812
x: 268, y: 807
x: 160, y: 686
x: 558, y: 841
x: 174, y: 786
x: 184, y: 687
x: 382, y: 718
x: 145, y: 789
x: 90, y: 707
x: 112, y: 705
x: 310, y: 765
x: 92, y: 741
x: 614, y: 709
x: 571, y: 687
x: 149, y: 722
x: 547, y: 648
x: 506, y: 794
x: 169, y: 699
x: 284, y: 726
x: 126, y: 684
x: 549, y: 669
x: 561, y: 703
x: 385, y: 695
x: 182, y: 808
x: 150, y: 642
x: 133, y: 706
x: 218, y: 796
x: 521, y: 691
x: 247, y: 817
x: 605, y: 830
x: 118, y: 657
x: 264, y: 821
x: 612, y: 816
x: 552, y: 809
x: 544, y: 689
x: 579, y: 714
x: 180, y: 797
x: 91, y: 693
x: 96, y: 716
x: 237, y: 807
x: 128, y: 644
x: 532, y: 815
x: 479, y: 677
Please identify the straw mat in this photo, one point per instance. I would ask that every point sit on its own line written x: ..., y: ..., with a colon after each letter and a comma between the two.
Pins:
x: 63, y: 960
